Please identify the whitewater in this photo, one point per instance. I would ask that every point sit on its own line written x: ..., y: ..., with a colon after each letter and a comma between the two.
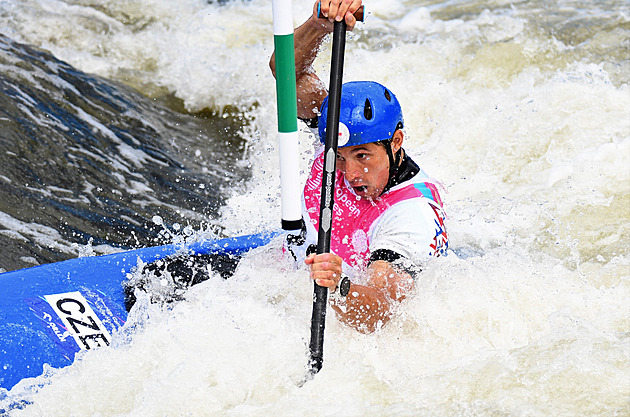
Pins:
x: 521, y: 109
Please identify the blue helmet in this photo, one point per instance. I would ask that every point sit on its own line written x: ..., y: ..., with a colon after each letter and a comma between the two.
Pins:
x: 369, y: 110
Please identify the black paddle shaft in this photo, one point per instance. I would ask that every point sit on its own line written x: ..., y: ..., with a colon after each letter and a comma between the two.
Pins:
x: 318, y: 319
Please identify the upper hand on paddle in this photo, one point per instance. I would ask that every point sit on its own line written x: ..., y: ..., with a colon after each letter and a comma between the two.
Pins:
x: 336, y: 10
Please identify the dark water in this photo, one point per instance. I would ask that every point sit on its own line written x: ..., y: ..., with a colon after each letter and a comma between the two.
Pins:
x: 87, y: 160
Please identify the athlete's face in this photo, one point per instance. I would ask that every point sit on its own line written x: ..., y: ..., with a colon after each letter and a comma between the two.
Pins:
x: 366, y: 167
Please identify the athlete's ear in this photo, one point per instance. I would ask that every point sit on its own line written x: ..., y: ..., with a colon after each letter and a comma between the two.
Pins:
x: 397, y: 140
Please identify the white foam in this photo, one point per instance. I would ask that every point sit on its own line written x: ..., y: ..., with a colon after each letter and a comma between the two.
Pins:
x: 527, y: 316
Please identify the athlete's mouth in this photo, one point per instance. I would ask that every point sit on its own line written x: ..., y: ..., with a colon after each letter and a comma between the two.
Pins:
x: 360, y: 189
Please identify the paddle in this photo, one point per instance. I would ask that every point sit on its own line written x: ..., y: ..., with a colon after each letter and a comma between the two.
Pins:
x: 318, y: 318
x: 288, y: 144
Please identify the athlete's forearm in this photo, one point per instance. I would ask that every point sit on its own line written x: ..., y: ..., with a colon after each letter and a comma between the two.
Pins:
x: 308, y: 39
x: 367, y: 308
x: 311, y: 91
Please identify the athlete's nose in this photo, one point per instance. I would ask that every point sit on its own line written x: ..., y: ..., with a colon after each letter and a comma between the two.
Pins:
x: 352, y: 170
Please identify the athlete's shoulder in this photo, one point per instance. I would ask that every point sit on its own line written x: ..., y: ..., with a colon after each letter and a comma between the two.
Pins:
x: 407, y: 228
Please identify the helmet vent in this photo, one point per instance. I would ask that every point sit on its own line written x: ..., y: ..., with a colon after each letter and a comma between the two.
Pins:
x: 367, y: 110
x: 387, y: 95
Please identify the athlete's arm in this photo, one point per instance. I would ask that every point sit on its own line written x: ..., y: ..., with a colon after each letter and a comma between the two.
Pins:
x: 311, y: 91
x: 366, y: 307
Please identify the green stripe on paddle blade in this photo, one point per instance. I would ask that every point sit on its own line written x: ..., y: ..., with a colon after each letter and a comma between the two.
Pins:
x: 285, y: 83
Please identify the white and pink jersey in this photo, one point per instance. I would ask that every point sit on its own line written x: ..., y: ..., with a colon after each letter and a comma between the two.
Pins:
x: 407, y: 219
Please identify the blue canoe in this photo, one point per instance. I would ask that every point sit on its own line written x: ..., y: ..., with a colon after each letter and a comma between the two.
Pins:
x: 49, y: 313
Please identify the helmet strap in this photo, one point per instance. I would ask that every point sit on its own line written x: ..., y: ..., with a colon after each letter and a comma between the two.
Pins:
x: 394, y: 163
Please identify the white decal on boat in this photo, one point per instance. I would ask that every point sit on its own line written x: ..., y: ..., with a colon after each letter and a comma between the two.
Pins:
x: 80, y: 320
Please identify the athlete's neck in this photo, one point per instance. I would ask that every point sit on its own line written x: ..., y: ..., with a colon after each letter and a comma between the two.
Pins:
x: 405, y: 171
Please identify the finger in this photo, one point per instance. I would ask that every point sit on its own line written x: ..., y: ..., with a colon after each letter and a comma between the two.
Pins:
x: 328, y: 267
x: 323, y: 7
x: 309, y: 259
x: 354, y: 14
x: 328, y: 257
x: 343, y: 9
x: 324, y: 280
x: 326, y: 283
x: 325, y: 274
x: 351, y: 21
x: 333, y: 10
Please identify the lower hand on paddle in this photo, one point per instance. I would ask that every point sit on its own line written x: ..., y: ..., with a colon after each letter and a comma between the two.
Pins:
x: 325, y: 269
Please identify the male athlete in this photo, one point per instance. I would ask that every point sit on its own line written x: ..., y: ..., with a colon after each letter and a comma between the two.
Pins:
x: 388, y: 214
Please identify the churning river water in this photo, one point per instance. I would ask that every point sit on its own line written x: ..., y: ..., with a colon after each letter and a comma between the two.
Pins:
x: 132, y: 123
